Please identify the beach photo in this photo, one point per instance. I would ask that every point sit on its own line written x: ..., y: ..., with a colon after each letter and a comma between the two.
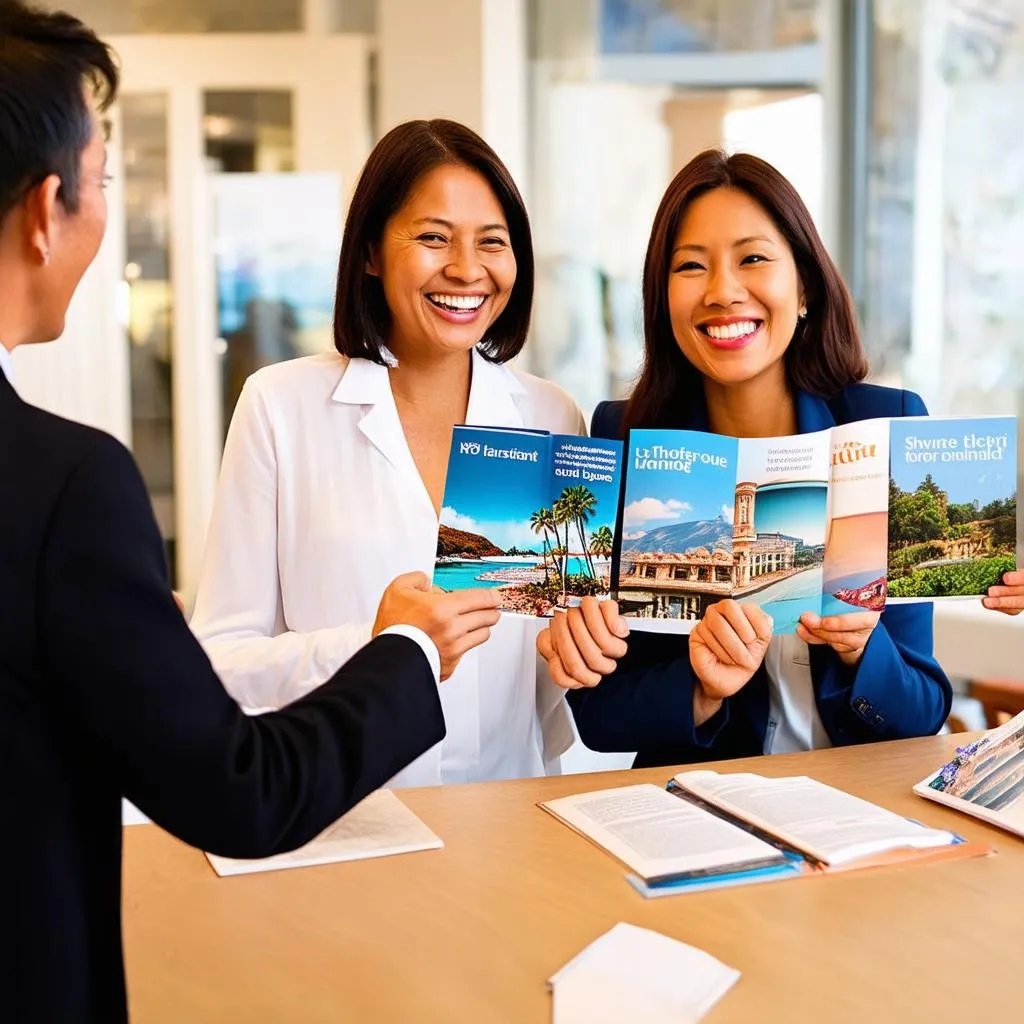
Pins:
x: 952, y: 506
x: 524, y: 526
x: 854, y: 568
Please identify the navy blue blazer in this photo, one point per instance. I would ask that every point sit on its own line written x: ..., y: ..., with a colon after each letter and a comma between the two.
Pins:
x: 895, y: 691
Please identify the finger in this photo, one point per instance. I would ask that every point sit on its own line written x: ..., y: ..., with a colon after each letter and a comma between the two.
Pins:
x: 808, y: 636
x: 565, y: 648
x: 461, y: 601
x: 735, y: 649
x: 1006, y: 605
x: 998, y: 591
x: 467, y: 642
x: 1014, y: 578
x: 849, y: 623
x: 616, y: 623
x: 597, y: 625
x: 762, y: 623
x: 555, y: 670
x: 714, y: 643
x: 468, y: 622
x: 855, y: 641
x: 411, y: 581
x: 733, y: 613
x: 544, y: 646
x: 586, y: 645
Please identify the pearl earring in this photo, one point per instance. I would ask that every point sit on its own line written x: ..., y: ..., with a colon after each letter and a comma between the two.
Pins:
x: 46, y: 257
x: 802, y: 313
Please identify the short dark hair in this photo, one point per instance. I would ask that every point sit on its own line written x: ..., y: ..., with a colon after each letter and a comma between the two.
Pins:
x: 825, y: 354
x: 403, y: 156
x: 46, y: 58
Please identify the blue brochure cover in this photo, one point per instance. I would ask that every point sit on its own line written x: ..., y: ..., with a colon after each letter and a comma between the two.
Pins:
x: 707, y: 517
x: 531, y: 514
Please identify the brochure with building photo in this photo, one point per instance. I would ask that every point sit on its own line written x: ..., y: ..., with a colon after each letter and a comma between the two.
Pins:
x: 830, y: 522
x: 531, y: 514
x: 707, y: 517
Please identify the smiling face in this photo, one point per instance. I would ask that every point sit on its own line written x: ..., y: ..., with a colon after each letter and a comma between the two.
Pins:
x: 734, y: 293
x: 445, y: 263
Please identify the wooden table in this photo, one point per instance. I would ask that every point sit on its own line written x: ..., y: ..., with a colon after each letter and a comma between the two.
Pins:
x: 472, y: 932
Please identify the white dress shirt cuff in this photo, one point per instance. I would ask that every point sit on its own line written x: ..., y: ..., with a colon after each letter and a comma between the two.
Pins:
x: 428, y: 646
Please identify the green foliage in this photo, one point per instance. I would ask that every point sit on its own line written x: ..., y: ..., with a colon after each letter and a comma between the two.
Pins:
x: 916, y: 553
x: 962, y: 513
x: 949, y: 580
x: 576, y: 585
x: 1004, y: 532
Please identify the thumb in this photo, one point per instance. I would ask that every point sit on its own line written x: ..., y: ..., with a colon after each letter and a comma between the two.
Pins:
x: 411, y: 581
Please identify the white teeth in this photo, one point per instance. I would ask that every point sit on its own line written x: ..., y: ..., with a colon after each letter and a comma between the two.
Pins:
x: 729, y: 331
x: 458, y: 301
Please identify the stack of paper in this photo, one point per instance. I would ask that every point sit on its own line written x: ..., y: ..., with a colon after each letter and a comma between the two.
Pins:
x: 634, y: 974
x: 379, y: 826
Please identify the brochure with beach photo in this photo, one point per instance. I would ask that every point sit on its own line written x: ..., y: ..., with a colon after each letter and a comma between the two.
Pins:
x: 529, y: 513
x: 985, y: 778
x: 918, y: 509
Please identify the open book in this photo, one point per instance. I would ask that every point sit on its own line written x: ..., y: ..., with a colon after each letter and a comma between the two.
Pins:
x: 710, y: 829
x: 918, y: 508
x: 985, y: 778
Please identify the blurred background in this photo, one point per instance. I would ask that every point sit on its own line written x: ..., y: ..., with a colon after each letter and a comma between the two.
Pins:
x: 243, y: 125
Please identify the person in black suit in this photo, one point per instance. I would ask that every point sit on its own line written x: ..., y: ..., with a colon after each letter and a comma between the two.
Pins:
x: 104, y: 691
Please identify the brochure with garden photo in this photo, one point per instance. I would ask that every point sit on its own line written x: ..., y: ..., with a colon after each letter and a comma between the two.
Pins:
x: 529, y: 513
x: 829, y: 522
x: 911, y: 509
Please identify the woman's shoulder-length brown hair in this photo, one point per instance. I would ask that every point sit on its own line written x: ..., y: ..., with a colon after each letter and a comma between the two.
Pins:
x: 362, y: 320
x: 825, y: 354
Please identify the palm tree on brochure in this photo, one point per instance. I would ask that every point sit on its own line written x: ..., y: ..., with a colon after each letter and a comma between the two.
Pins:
x: 541, y: 522
x: 562, y: 513
x: 601, y: 542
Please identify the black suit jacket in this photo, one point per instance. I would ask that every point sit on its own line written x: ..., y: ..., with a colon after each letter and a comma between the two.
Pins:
x: 104, y: 693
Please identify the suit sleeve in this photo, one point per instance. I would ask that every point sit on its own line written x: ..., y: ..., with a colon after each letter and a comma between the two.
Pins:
x: 238, y: 613
x: 897, y: 690
x: 137, y: 692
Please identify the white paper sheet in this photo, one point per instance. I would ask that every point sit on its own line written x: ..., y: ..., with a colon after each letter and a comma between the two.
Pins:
x: 379, y: 826
x: 634, y: 974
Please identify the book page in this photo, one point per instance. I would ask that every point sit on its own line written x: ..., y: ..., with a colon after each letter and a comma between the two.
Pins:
x: 985, y: 778
x: 657, y: 834
x: 854, y: 573
x: 952, y: 506
x: 379, y: 826
x: 488, y: 535
x: 828, y: 824
x: 781, y: 510
x: 674, y: 550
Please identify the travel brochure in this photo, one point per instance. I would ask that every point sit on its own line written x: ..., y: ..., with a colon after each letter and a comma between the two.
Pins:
x: 853, y: 517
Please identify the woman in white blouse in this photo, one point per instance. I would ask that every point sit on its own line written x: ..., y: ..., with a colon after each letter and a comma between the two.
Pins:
x: 334, y: 467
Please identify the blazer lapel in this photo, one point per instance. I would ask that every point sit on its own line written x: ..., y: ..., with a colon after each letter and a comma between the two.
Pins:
x: 812, y: 413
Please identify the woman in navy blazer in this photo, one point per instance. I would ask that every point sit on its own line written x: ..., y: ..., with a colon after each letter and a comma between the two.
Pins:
x: 749, y: 331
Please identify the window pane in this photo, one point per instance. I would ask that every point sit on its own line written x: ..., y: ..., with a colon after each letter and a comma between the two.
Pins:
x: 944, y: 302
x: 114, y: 17
x: 150, y: 324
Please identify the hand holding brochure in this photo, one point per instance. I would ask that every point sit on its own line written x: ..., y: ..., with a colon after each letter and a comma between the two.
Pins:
x: 985, y: 779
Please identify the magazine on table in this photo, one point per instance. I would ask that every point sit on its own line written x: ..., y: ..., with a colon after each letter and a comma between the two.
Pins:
x: 985, y: 778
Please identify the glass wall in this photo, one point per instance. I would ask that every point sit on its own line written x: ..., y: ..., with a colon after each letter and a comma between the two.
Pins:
x: 624, y: 92
x: 944, y: 297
